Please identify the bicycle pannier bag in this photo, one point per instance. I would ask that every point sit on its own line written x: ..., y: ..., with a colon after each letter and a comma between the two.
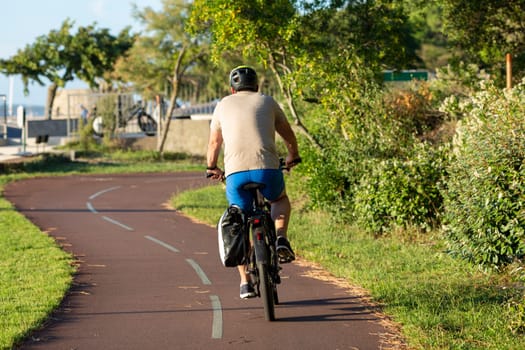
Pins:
x: 231, y: 237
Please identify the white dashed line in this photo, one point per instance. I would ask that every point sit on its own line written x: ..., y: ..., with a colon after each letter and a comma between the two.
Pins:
x: 217, y: 326
x: 115, y: 222
x: 93, y: 196
x: 199, y: 271
x: 165, y: 245
x: 216, y: 329
x: 91, y: 208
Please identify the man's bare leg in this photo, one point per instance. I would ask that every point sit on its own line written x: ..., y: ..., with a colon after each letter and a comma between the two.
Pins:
x: 243, y: 274
x: 281, y: 210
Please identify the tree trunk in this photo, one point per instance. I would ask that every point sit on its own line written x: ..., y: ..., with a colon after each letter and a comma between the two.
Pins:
x: 51, y: 93
x: 175, y: 82
x: 291, y: 105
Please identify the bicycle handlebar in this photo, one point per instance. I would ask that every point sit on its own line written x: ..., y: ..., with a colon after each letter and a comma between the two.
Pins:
x: 282, y: 164
x: 208, y: 175
x: 291, y: 165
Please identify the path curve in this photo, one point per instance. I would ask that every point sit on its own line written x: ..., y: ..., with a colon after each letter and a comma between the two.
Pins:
x: 150, y: 278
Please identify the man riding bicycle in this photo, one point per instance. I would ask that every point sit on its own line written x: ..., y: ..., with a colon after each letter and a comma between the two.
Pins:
x: 246, y: 122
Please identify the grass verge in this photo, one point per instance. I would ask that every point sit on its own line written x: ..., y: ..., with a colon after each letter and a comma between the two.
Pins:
x: 440, y: 302
x: 35, y: 273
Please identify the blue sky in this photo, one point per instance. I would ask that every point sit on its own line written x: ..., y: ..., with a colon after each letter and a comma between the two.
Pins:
x: 24, y: 20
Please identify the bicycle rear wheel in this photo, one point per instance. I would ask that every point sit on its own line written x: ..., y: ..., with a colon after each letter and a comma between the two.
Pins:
x: 98, y: 126
x: 275, y: 295
x: 267, y: 291
x: 147, y: 124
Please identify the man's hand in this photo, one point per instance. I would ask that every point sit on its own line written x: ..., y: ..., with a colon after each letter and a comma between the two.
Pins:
x: 216, y: 174
x: 291, y: 161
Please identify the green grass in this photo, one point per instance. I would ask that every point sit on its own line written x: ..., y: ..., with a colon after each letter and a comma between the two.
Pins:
x: 35, y: 273
x: 440, y: 302
x: 205, y: 204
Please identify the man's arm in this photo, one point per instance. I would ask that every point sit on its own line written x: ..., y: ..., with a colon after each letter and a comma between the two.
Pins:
x: 284, y: 129
x: 214, y: 148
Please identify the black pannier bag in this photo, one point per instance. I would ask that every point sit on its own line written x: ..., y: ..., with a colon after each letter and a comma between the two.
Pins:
x: 231, y: 237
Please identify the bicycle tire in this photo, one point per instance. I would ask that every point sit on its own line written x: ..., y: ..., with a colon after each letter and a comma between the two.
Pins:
x: 274, y: 259
x: 267, y: 291
x: 97, y: 124
x: 147, y: 124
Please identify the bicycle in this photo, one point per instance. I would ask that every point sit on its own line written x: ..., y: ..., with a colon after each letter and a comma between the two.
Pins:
x: 261, y: 257
x: 146, y: 123
x: 262, y: 260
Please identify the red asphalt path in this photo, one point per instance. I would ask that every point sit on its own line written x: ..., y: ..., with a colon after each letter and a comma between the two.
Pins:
x: 150, y: 278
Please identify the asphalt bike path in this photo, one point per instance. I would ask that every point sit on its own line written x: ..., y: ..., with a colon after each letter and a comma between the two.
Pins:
x: 150, y: 278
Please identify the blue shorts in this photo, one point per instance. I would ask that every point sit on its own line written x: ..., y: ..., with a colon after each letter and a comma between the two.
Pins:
x: 272, y: 178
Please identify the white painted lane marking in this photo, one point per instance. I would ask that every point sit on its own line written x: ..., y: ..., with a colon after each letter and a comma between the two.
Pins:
x: 115, y: 222
x: 94, y: 211
x: 91, y: 208
x: 165, y: 245
x: 216, y: 329
x: 104, y: 191
x: 199, y: 271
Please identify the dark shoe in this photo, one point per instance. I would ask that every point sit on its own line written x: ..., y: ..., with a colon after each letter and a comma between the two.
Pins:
x: 247, y: 291
x: 284, y: 250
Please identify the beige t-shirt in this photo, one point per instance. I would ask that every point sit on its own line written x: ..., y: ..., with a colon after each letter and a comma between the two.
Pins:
x: 247, y: 122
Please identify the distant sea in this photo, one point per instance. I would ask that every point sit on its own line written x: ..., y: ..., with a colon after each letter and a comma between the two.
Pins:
x: 32, y: 111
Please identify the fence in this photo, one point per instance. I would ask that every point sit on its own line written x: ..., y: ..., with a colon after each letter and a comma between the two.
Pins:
x: 119, y: 105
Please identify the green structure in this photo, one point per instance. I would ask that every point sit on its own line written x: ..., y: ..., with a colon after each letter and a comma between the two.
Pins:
x: 406, y: 75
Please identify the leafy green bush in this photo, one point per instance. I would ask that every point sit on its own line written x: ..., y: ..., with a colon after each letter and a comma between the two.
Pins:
x: 344, y: 120
x: 86, y: 140
x: 327, y: 181
x: 485, y: 195
x: 377, y: 168
x: 401, y: 193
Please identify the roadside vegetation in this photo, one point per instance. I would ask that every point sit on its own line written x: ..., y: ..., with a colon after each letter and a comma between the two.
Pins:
x: 35, y: 274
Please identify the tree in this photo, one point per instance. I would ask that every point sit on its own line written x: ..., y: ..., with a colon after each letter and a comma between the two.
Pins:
x: 163, y: 56
x: 62, y: 56
x: 426, y: 22
x: 487, y: 30
x: 284, y: 35
x: 256, y: 29
x: 379, y: 31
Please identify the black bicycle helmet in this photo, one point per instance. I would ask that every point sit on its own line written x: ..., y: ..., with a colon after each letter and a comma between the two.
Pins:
x: 244, y: 78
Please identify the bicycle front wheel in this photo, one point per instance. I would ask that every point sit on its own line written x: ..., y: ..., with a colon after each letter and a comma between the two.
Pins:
x: 147, y: 124
x: 267, y: 291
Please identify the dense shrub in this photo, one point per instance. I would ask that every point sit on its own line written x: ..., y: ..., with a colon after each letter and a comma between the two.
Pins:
x: 458, y: 81
x: 383, y: 147
x: 401, y: 193
x: 412, y: 108
x: 381, y: 172
x: 327, y: 181
x: 346, y: 120
x: 485, y: 195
